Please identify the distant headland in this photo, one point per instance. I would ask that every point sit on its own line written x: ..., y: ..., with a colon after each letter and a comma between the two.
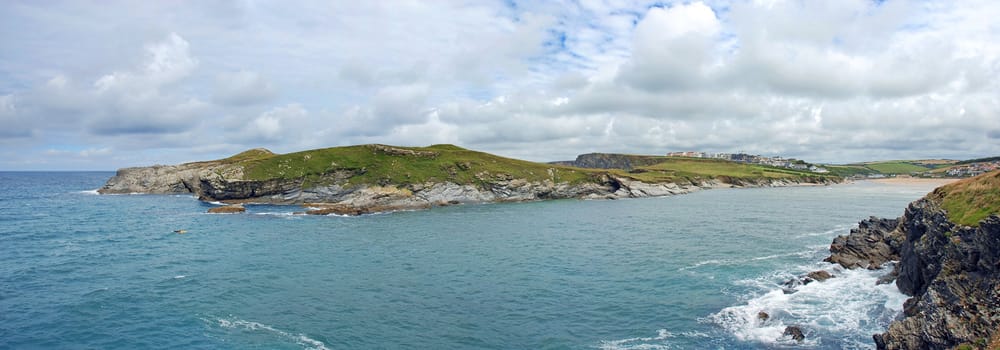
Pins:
x: 370, y: 178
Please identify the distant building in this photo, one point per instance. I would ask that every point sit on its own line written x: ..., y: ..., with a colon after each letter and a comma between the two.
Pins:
x: 817, y: 169
x: 776, y: 161
x: 687, y: 154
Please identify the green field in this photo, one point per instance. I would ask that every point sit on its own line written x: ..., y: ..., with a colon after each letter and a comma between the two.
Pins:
x: 849, y: 170
x: 675, y: 169
x: 896, y: 167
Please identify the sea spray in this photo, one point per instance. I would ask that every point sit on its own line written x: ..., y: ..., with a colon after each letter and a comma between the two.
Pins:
x: 847, y: 308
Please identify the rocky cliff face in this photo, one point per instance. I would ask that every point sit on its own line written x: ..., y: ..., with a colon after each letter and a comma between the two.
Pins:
x: 611, y: 161
x: 953, y: 274
x: 167, y: 179
x: 951, y: 271
x: 875, y: 242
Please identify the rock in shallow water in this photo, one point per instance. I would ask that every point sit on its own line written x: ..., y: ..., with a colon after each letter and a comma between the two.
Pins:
x: 795, y: 332
x: 819, y: 276
x: 228, y: 209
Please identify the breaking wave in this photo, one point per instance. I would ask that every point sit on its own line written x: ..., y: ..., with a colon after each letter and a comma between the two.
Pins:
x: 845, y: 310
x: 300, y: 339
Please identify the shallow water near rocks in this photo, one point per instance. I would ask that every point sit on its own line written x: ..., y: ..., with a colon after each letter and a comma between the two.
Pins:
x: 80, y: 270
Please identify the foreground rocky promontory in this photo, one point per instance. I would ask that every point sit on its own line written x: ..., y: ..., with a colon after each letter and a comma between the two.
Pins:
x: 947, y: 249
x: 373, y: 178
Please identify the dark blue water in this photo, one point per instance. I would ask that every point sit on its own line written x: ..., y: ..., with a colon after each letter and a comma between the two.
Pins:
x: 80, y: 270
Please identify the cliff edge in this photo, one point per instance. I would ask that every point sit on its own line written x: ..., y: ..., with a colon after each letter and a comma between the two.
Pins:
x: 947, y: 245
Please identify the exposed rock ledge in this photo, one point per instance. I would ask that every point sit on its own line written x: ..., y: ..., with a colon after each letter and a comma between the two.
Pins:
x: 223, y: 182
x: 951, y: 272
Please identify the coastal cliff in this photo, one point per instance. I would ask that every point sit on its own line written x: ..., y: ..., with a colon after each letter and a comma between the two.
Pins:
x: 374, y: 178
x: 947, y: 248
x: 612, y: 161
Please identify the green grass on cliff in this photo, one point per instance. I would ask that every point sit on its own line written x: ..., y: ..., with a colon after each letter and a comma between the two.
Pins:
x: 377, y: 164
x: 971, y: 200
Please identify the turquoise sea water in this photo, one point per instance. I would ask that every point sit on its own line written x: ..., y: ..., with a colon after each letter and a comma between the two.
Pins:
x: 85, y: 271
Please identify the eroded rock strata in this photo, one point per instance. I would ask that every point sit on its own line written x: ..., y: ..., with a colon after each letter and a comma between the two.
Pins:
x: 951, y: 272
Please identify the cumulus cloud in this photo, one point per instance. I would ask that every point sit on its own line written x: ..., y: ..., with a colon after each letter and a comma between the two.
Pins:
x: 13, y: 127
x: 243, y: 88
x: 825, y: 81
x: 143, y: 101
x: 672, y: 48
x: 281, y: 123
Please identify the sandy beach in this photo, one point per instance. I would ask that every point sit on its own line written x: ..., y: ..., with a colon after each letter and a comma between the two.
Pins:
x: 913, y: 181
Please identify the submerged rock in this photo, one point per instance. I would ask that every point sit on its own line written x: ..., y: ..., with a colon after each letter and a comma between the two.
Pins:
x: 227, y: 209
x: 819, y: 276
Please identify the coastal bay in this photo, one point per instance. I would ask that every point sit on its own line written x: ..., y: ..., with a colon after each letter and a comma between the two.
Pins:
x: 682, y: 271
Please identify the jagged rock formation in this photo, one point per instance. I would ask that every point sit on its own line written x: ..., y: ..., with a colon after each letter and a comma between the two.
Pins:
x: 873, y: 243
x: 612, y: 161
x: 952, y: 272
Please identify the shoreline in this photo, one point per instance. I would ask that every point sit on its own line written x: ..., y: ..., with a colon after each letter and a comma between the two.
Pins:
x: 912, y: 181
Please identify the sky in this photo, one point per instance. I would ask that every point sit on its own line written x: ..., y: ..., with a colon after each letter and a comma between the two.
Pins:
x: 100, y: 85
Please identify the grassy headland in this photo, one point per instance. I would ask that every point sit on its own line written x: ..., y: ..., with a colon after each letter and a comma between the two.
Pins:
x: 379, y: 164
x: 384, y: 165
x: 970, y: 200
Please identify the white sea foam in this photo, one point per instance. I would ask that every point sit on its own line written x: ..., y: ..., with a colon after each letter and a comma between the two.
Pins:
x: 706, y: 262
x: 278, y: 213
x: 839, y: 229
x: 301, y: 339
x: 721, y: 262
x: 774, y: 256
x: 94, y: 191
x: 179, y: 277
x: 638, y: 343
x: 848, y: 306
x: 660, y: 341
x: 284, y: 215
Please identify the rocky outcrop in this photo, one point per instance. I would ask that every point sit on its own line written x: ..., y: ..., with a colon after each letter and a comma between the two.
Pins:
x: 369, y: 199
x: 168, y: 179
x: 818, y: 276
x: 611, y: 161
x: 228, y: 209
x: 951, y: 272
x: 795, y: 333
x: 873, y: 243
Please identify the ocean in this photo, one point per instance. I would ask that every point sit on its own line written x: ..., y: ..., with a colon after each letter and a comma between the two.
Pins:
x: 80, y: 270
